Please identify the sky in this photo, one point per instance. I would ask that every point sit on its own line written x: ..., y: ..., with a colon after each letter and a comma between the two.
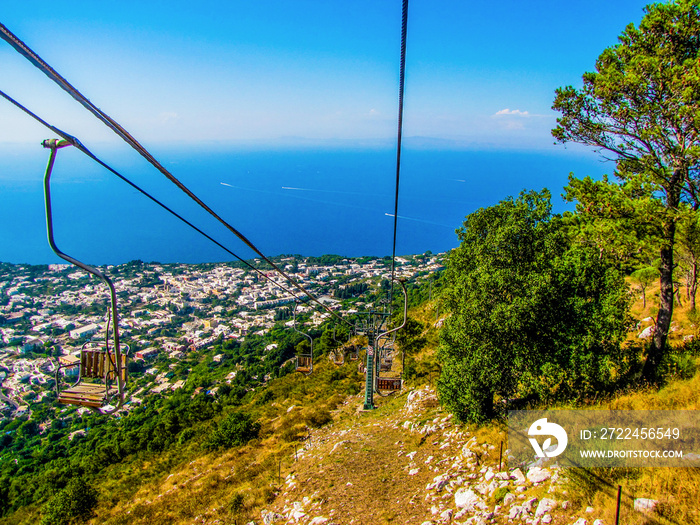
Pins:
x: 478, y: 74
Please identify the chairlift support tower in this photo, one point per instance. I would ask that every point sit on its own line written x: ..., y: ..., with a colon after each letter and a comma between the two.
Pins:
x: 372, y: 328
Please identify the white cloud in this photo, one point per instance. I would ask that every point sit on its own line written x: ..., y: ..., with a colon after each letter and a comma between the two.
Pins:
x: 168, y: 116
x: 512, y: 112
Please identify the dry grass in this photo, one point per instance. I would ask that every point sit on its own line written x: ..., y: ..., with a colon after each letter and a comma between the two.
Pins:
x: 355, y: 468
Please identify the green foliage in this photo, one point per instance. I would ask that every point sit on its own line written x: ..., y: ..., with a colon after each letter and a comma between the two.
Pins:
x: 499, y: 494
x: 410, y: 339
x: 530, y: 311
x: 234, y: 430
x: 640, y: 108
x: 75, y: 502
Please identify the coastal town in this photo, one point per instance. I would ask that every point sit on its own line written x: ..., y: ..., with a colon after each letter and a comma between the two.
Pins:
x: 167, y: 313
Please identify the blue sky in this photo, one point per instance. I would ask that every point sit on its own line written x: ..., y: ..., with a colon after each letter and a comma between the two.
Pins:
x: 479, y: 74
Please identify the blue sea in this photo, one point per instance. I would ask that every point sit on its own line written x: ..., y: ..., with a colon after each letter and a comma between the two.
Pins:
x: 308, y: 201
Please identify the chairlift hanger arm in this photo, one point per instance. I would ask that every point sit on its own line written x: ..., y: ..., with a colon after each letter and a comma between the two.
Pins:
x: 405, y: 311
x: 86, y: 395
x: 54, y: 145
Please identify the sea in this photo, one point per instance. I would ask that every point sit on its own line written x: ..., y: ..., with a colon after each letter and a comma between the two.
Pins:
x: 289, y: 200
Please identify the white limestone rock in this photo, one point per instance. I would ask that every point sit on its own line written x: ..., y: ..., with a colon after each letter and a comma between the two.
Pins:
x: 515, y: 512
x: 468, y: 499
x: 538, y: 474
x: 518, y: 476
x: 529, y: 504
x: 645, y: 505
x: 545, y: 506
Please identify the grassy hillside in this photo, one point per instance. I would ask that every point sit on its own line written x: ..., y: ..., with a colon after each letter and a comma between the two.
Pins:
x: 317, y: 456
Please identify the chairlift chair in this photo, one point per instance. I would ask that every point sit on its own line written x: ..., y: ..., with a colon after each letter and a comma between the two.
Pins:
x: 102, y: 376
x: 305, y: 361
x: 387, y: 384
x: 98, y: 379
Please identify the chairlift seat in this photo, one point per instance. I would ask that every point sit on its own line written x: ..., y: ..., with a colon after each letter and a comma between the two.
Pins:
x: 392, y: 384
x: 97, y: 379
x: 304, y: 364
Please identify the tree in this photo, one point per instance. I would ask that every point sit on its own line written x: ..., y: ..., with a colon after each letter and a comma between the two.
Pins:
x: 236, y: 429
x: 689, y: 253
x: 641, y: 108
x: 76, y: 501
x: 643, y: 278
x: 530, y: 310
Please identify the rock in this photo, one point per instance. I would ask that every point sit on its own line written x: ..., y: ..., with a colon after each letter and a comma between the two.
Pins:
x: 538, y: 474
x: 319, y: 520
x: 581, y: 521
x: 545, y: 506
x: 490, y: 474
x: 589, y: 510
x: 271, y: 517
x: 598, y: 522
x: 413, y: 471
x: 418, y: 399
x: 509, y: 498
x: 446, y: 515
x: 518, y: 476
x: 468, y: 499
x: 547, y: 518
x: 565, y: 504
x: 482, y: 488
x: 339, y: 443
x: 645, y: 505
x: 647, y: 332
x: 515, y: 512
x: 527, y: 506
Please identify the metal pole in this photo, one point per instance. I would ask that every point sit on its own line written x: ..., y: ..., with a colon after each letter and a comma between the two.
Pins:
x: 369, y: 383
x: 619, y: 497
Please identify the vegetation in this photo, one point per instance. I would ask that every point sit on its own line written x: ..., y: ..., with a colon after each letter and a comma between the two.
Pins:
x: 533, y: 309
x: 640, y: 107
x: 531, y: 312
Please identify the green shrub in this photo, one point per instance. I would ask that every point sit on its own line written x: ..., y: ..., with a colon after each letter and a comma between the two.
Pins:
x: 76, y: 501
x: 236, y: 429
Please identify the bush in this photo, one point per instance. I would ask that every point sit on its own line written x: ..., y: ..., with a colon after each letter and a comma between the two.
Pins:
x: 76, y: 501
x: 236, y: 429
x: 318, y: 416
x: 530, y: 310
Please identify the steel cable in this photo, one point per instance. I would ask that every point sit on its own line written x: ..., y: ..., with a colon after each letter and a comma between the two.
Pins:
x: 38, y: 62
x: 79, y: 145
x: 402, y: 81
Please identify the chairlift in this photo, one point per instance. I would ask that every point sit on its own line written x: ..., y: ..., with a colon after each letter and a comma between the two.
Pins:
x: 390, y: 383
x: 102, y: 374
x: 304, y: 361
x: 337, y: 356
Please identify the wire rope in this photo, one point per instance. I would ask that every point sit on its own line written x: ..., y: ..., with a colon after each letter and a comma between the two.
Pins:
x: 38, y: 62
x: 402, y: 82
x: 81, y: 147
